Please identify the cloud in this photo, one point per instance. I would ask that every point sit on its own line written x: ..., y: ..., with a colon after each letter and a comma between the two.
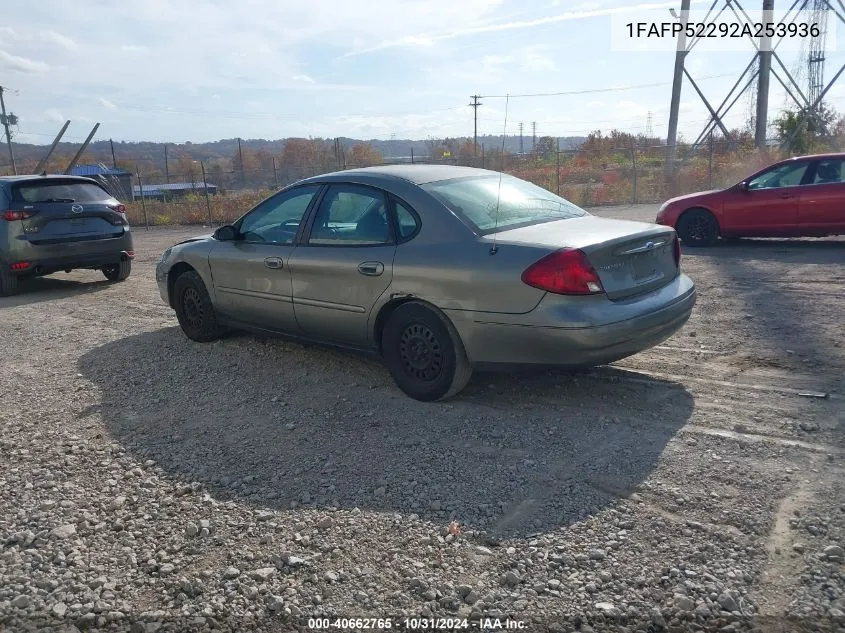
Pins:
x: 54, y: 115
x: 508, y: 26
x: 22, y: 64
x: 107, y: 104
x: 57, y: 38
x: 133, y: 48
x: 303, y: 78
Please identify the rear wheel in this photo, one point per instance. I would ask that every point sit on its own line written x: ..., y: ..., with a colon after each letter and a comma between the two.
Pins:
x: 194, y: 309
x: 424, y: 353
x: 8, y: 283
x: 698, y: 227
x: 119, y: 271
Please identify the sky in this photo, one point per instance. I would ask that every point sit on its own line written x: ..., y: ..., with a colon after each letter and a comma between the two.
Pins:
x: 202, y: 70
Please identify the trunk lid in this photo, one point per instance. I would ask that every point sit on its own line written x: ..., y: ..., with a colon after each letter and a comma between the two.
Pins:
x: 66, y: 210
x: 631, y: 258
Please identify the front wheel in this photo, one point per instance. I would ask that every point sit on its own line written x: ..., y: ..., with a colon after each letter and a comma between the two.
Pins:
x: 194, y: 309
x: 119, y: 271
x: 424, y: 353
x: 698, y: 227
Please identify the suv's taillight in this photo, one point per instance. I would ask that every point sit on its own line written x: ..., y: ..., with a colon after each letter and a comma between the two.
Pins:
x: 118, y: 207
x: 16, y: 215
x: 564, y: 272
x: 677, y: 251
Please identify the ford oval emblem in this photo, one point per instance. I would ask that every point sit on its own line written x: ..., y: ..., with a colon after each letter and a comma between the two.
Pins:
x: 77, y: 208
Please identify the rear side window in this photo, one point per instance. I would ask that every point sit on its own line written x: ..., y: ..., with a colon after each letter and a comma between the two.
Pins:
x: 59, y: 192
x: 407, y: 221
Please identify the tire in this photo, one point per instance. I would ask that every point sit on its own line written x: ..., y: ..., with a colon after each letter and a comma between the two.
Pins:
x: 118, y: 271
x: 194, y: 309
x: 8, y: 283
x: 698, y: 227
x: 424, y: 353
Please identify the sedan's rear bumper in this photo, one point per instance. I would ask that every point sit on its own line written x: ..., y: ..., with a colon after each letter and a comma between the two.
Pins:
x: 589, y: 335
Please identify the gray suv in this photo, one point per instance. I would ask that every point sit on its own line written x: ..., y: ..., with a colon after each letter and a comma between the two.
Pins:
x: 53, y: 223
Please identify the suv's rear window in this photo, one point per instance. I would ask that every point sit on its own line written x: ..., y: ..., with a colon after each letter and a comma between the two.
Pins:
x: 59, y: 192
x: 489, y: 204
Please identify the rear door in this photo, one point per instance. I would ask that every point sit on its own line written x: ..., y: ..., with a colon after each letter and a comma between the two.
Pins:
x: 59, y: 210
x: 822, y: 205
x: 770, y: 204
x: 251, y: 274
x: 344, y: 265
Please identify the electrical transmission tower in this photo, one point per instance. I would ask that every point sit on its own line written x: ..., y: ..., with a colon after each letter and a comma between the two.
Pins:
x: 816, y: 53
x: 521, y: 150
x: 533, y: 135
x: 649, y: 128
x: 765, y: 64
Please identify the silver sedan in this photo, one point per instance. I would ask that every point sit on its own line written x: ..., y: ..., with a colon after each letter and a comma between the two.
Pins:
x: 439, y: 270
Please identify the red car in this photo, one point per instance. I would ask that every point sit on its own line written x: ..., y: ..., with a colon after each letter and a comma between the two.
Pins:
x: 798, y: 197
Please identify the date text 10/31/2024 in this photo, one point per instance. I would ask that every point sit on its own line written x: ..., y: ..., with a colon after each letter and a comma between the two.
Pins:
x: 414, y: 624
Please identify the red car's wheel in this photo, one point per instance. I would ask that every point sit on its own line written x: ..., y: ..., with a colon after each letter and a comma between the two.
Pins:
x: 698, y: 227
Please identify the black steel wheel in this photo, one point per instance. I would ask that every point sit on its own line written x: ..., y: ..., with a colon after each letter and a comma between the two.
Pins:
x: 118, y: 271
x: 194, y: 309
x: 424, y: 353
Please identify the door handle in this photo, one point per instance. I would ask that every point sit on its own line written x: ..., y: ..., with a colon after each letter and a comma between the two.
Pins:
x: 786, y: 196
x: 273, y: 262
x: 371, y: 269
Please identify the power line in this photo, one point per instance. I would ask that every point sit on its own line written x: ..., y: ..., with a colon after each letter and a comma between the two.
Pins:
x: 598, y: 90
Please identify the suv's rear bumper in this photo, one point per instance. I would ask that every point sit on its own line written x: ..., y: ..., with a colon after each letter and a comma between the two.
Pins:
x: 56, y: 257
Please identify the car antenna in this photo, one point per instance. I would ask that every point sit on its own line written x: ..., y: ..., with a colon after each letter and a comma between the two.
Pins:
x: 494, y: 249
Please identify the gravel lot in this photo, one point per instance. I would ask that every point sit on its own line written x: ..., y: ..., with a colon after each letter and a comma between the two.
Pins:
x: 149, y: 483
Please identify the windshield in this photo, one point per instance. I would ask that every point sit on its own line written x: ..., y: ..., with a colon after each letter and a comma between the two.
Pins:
x: 521, y: 203
x: 61, y: 191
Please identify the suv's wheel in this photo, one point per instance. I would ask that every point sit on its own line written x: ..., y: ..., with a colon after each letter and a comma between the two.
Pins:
x: 8, y: 283
x: 194, y: 308
x: 698, y: 227
x: 119, y: 271
x: 424, y: 353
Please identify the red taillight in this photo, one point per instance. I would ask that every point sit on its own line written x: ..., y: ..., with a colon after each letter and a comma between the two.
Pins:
x: 118, y: 207
x: 677, y: 251
x: 564, y: 272
x: 20, y: 265
x: 16, y: 215
x: 130, y: 253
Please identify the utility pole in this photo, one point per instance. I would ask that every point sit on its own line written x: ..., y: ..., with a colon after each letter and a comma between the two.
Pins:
x: 761, y: 121
x: 166, y: 165
x: 533, y: 136
x: 677, y: 81
x: 521, y: 150
x: 474, y: 105
x: 113, y: 159
x: 241, y: 157
x: 8, y: 134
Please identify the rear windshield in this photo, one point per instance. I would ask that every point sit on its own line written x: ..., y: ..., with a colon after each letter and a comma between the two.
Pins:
x: 59, y: 192
x: 520, y: 203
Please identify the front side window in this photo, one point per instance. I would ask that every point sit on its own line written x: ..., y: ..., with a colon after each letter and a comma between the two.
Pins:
x: 829, y: 172
x: 487, y: 206
x: 277, y: 219
x: 789, y: 175
x: 351, y: 215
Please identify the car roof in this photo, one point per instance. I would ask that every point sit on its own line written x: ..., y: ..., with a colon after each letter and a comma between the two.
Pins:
x: 415, y: 174
x: 827, y: 156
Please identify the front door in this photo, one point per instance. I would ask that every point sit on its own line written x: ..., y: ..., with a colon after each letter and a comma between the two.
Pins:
x: 823, y: 200
x: 769, y: 206
x: 251, y: 275
x: 345, y: 264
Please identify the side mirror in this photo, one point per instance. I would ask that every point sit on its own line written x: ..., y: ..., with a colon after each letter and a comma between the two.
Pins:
x: 225, y: 233
x: 743, y: 186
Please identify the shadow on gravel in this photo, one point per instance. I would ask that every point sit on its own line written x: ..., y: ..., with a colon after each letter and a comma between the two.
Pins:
x: 275, y: 423
x: 809, y: 251
x: 53, y: 287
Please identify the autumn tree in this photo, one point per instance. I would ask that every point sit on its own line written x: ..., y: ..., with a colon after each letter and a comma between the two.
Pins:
x: 546, y: 147
x: 364, y: 155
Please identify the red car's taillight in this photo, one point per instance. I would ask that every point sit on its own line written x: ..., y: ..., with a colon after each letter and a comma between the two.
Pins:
x: 16, y: 215
x: 564, y: 272
x: 677, y: 251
